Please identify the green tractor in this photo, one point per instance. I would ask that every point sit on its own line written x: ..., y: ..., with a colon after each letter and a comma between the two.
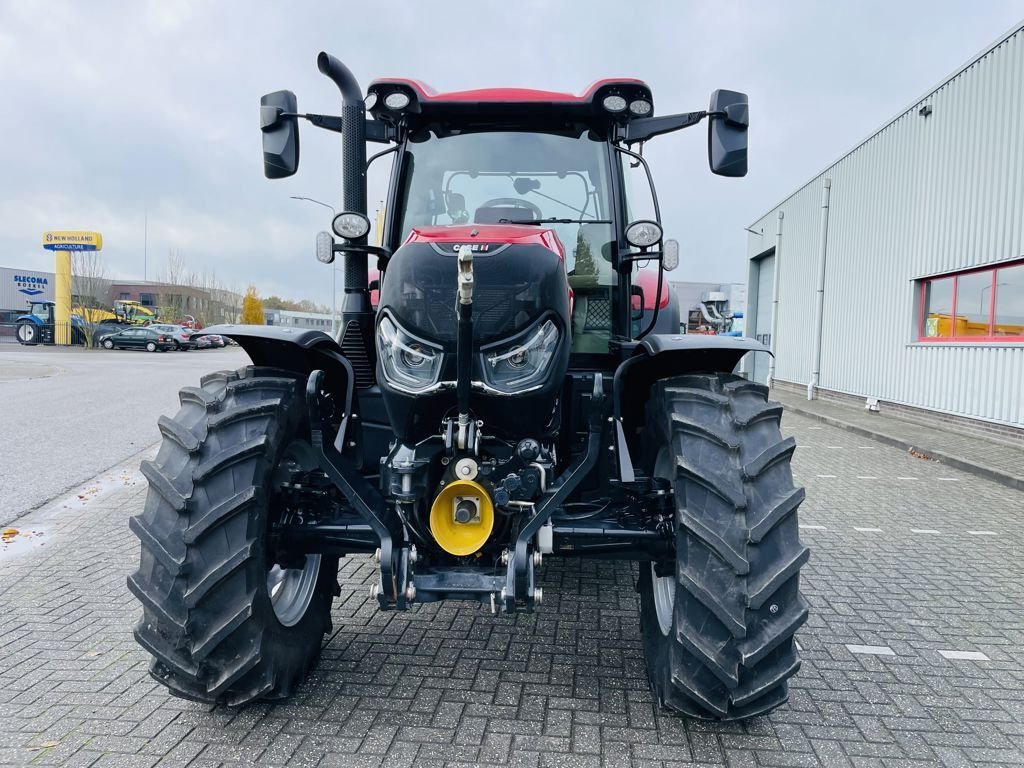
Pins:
x: 500, y: 405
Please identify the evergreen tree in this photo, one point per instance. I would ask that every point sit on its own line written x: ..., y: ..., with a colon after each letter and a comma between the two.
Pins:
x: 585, y: 270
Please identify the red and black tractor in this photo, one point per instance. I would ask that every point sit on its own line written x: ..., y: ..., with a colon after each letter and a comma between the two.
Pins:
x: 508, y: 400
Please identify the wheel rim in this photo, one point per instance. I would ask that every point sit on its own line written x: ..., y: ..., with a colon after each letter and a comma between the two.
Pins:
x: 664, y: 587
x: 26, y: 332
x: 108, y: 344
x: 664, y: 599
x: 291, y: 590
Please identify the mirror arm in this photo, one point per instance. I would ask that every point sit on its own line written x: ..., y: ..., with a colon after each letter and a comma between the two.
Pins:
x: 648, y: 127
x: 383, y: 254
x: 376, y: 130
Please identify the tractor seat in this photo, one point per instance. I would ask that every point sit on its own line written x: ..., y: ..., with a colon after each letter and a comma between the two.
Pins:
x: 494, y: 214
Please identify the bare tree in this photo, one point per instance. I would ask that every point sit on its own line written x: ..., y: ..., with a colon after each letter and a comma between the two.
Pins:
x: 175, y: 273
x: 91, y: 297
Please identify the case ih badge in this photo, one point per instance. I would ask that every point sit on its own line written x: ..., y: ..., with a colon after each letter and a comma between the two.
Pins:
x: 475, y: 422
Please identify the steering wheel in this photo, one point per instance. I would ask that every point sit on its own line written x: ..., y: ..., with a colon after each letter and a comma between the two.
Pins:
x: 514, y: 202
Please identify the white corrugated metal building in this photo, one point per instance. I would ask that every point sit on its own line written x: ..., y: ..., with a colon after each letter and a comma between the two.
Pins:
x: 918, y: 233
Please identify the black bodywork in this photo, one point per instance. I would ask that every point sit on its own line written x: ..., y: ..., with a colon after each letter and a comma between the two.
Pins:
x: 563, y: 462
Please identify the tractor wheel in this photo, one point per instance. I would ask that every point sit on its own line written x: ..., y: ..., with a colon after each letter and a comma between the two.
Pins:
x: 222, y: 620
x: 28, y: 333
x: 719, y: 623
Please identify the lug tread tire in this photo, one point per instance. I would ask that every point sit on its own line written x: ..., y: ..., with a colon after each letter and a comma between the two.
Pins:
x: 207, y: 620
x: 737, y: 603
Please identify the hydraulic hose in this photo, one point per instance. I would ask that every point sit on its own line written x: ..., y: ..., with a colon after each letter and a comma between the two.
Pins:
x: 464, y: 361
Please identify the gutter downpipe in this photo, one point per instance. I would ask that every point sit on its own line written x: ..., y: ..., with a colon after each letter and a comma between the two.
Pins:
x: 775, y: 300
x: 819, y: 305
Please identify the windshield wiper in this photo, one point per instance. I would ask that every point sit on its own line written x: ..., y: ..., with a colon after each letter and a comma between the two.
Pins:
x: 554, y: 221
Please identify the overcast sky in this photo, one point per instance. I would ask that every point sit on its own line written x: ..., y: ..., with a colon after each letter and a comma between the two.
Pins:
x: 112, y: 110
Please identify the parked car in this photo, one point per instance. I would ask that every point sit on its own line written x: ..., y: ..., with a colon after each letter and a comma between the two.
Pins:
x: 108, y: 328
x: 182, y: 336
x: 209, y: 341
x: 139, y: 338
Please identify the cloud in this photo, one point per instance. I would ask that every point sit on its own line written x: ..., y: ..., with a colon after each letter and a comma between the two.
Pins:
x: 118, y: 112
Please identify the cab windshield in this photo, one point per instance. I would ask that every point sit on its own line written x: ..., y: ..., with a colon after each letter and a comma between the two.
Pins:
x: 516, y: 177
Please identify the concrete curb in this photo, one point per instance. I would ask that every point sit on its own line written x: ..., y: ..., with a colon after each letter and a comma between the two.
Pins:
x: 957, y: 462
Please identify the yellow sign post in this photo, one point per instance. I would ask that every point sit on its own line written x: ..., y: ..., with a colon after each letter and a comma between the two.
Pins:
x: 68, y: 240
x: 64, y: 242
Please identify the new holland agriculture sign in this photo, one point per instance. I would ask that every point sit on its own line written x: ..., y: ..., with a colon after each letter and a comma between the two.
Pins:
x: 72, y: 241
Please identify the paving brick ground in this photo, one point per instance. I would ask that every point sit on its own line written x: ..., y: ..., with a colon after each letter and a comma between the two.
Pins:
x: 995, y: 459
x: 908, y: 556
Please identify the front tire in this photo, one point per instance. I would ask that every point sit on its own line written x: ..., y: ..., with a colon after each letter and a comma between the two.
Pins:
x: 27, y: 333
x: 108, y: 344
x: 223, y: 622
x: 719, y: 623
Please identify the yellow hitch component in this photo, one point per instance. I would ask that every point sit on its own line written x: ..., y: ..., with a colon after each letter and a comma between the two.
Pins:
x: 462, y: 517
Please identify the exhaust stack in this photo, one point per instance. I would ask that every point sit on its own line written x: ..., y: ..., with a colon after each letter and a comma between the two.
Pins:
x: 355, y: 334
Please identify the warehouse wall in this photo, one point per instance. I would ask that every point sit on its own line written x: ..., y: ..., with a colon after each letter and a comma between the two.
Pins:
x: 924, y: 195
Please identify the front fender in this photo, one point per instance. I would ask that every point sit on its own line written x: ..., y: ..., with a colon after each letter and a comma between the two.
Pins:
x: 716, y: 354
x: 660, y: 356
x: 300, y: 350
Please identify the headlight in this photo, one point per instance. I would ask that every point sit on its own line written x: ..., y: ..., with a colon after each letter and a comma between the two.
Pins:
x: 512, y: 368
x: 396, y: 100
x: 350, y: 225
x: 409, y: 363
x: 640, y: 107
x: 614, y: 103
x: 643, y: 234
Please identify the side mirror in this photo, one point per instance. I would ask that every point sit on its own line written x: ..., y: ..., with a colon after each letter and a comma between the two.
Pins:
x: 670, y: 255
x: 280, y: 130
x: 727, y: 133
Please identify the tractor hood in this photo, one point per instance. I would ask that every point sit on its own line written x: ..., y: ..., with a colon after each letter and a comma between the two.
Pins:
x: 520, y: 328
x: 519, y: 274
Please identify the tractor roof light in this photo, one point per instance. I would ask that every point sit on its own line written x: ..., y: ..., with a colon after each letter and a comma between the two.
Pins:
x: 640, y: 107
x: 643, y: 234
x: 396, y: 100
x: 370, y: 101
x: 350, y: 225
x: 614, y: 103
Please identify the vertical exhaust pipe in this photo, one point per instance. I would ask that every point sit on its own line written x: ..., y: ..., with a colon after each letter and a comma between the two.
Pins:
x: 356, y: 333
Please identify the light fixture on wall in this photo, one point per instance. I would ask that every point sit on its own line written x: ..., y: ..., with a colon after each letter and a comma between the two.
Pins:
x: 925, y: 110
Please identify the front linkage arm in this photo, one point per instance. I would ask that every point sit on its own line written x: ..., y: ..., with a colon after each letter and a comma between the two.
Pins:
x: 519, y: 579
x: 367, y: 500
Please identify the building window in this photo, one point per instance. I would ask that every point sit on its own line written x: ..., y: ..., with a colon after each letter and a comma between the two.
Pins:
x: 979, y: 305
x: 147, y: 299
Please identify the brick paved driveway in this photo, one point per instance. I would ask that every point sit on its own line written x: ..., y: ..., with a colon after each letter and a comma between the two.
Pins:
x: 913, y: 565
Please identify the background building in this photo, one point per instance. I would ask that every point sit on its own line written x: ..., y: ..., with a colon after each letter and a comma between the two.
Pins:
x: 18, y: 287
x: 291, y: 319
x: 914, y: 272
